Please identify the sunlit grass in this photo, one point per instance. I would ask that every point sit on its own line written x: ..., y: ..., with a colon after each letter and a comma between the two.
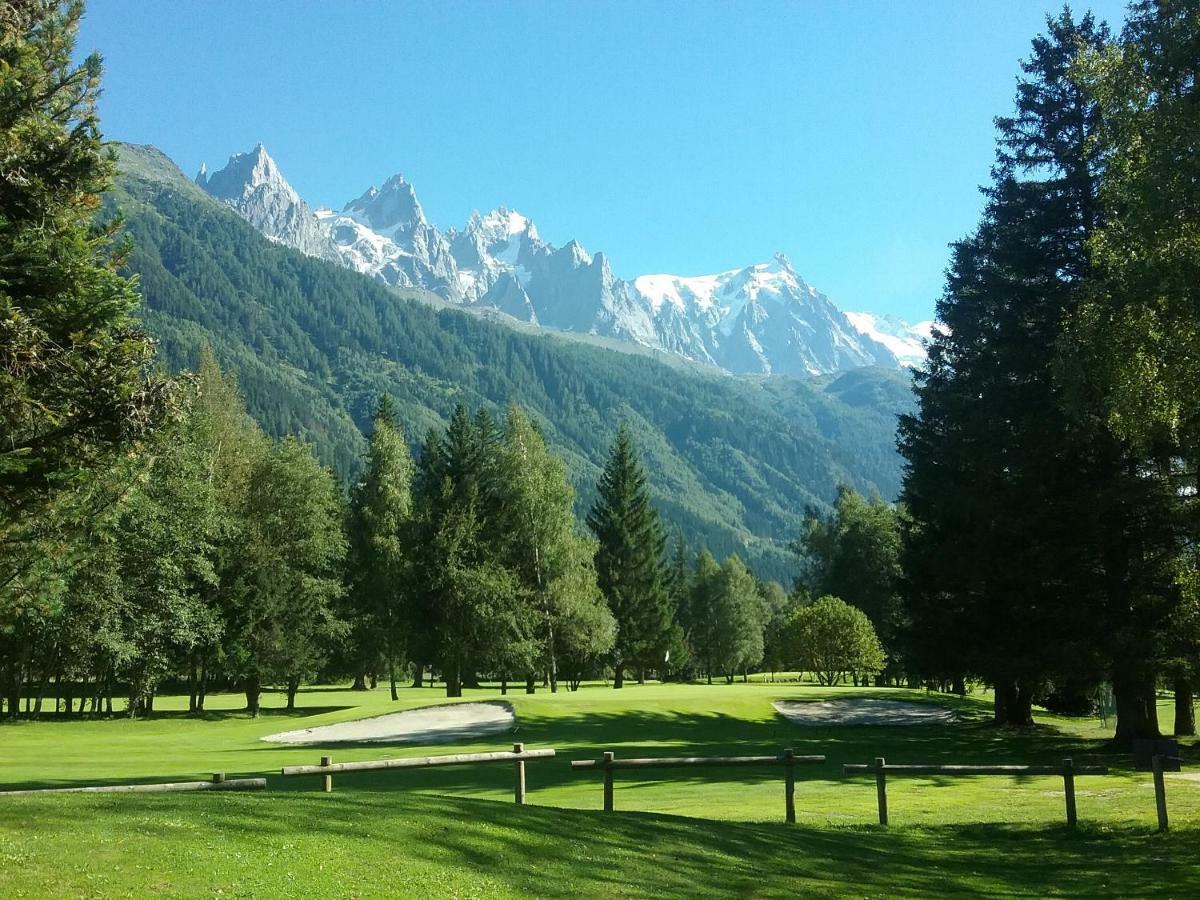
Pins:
x: 430, y: 832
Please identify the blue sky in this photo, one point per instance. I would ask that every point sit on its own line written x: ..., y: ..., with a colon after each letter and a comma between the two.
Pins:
x: 676, y: 137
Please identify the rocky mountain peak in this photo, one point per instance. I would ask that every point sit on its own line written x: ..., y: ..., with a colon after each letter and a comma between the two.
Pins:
x: 761, y: 318
x: 391, y: 208
x: 244, y: 174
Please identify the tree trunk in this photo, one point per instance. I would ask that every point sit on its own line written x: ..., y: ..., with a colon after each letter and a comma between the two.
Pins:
x: 1013, y: 705
x: 960, y: 686
x: 392, y: 678
x: 553, y: 658
x: 1137, y: 707
x: 454, y: 679
x: 360, y: 682
x: 530, y: 684
x: 618, y: 677
x: 503, y: 687
x: 374, y: 680
x: 293, y: 686
x: 418, y: 674
x: 202, y: 690
x: 192, y: 684
x: 641, y: 674
x: 253, y: 695
x: 1185, y: 708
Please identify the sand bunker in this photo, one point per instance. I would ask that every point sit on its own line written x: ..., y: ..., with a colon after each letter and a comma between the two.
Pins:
x: 862, y: 711
x: 428, y: 725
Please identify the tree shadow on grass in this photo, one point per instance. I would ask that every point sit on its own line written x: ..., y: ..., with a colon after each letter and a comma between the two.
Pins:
x: 634, y: 734
x: 556, y: 852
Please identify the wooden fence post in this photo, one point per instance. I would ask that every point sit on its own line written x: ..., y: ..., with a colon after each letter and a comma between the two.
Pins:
x: 327, y: 779
x: 519, y: 769
x: 1160, y: 792
x: 881, y: 790
x: 218, y: 777
x: 1069, y: 790
x: 608, y: 781
x: 789, y: 781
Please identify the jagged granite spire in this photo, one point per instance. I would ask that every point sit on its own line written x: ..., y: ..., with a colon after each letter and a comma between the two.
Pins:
x: 252, y: 185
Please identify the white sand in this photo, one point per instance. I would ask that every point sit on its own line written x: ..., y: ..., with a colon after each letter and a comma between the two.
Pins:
x: 862, y: 711
x: 430, y: 724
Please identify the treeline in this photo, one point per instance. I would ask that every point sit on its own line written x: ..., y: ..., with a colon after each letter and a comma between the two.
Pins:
x: 1049, y: 541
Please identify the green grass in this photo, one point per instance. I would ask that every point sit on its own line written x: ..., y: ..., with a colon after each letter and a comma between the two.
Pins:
x: 455, y: 832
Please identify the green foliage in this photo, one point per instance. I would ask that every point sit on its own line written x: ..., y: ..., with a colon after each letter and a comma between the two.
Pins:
x: 832, y: 639
x: 288, y: 576
x: 74, y: 387
x: 854, y: 553
x: 536, y: 528
x: 630, y: 567
x: 378, y: 572
x: 1136, y: 338
x: 473, y: 610
x: 1040, y: 541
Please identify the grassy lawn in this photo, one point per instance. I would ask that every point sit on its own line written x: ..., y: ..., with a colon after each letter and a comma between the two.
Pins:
x: 455, y: 832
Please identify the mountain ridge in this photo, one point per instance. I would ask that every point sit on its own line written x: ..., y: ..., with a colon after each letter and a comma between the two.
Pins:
x: 734, y: 462
x: 757, y: 319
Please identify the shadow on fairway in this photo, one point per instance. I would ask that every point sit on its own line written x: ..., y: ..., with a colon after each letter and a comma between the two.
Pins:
x: 541, y: 851
x: 632, y: 733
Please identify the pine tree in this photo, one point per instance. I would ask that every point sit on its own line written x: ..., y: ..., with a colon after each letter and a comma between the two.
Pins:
x: 74, y: 382
x: 629, y: 562
x: 472, y: 610
x: 380, y: 533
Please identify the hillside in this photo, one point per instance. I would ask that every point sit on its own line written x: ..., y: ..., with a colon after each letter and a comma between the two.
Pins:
x: 733, y: 461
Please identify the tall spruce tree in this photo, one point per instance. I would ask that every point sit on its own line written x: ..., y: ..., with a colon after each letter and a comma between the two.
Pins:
x: 1028, y: 531
x: 629, y: 562
x: 380, y: 534
x: 472, y: 612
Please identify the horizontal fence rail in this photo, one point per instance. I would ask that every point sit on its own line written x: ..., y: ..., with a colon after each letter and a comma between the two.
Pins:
x: 517, y: 756
x: 1066, y: 770
x: 218, y: 783
x: 788, y: 759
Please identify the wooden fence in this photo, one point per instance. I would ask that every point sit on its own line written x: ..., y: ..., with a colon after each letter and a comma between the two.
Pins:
x: 218, y: 783
x: 788, y: 759
x: 1158, y: 765
x: 517, y: 756
x: 1067, y: 770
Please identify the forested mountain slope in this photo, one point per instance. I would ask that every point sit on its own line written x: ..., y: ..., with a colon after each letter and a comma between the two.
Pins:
x: 733, y: 461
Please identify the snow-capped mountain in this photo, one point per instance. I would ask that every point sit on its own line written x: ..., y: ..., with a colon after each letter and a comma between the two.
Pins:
x: 759, y: 319
x: 907, y: 342
x: 252, y: 185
